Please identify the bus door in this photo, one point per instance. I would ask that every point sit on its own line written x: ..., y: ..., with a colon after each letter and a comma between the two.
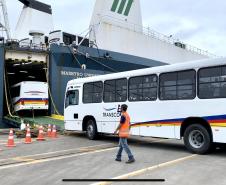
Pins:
x: 71, y: 109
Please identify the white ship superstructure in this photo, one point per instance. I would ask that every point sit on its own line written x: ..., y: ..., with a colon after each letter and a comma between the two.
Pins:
x: 35, y: 17
x: 116, y: 25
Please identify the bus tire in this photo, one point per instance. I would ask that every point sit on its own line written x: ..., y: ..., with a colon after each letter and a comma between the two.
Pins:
x: 197, y: 139
x: 91, y: 129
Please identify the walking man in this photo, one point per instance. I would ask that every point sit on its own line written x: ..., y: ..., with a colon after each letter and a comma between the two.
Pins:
x: 124, y: 128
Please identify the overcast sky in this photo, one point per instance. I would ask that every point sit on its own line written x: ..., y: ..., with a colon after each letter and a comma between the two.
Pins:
x: 200, y: 23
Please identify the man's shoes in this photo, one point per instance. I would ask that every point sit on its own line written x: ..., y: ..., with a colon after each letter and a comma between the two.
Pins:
x: 130, y: 161
x: 119, y: 160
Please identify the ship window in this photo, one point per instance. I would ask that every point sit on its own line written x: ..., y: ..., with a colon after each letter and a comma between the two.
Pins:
x: 178, y: 85
x: 115, y: 90
x: 212, y: 82
x: 143, y: 88
x: 72, y: 98
x: 92, y: 92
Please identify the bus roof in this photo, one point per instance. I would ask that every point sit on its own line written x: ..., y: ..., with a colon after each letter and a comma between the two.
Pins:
x: 29, y: 82
x: 154, y: 70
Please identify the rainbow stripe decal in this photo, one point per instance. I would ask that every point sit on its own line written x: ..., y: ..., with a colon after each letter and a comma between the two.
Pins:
x: 32, y: 101
x: 214, y: 121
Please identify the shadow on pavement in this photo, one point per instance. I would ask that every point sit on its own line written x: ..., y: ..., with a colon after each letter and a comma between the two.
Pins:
x: 157, y: 143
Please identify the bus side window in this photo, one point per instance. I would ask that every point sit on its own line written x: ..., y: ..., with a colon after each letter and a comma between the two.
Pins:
x: 179, y: 85
x: 72, y: 98
x: 109, y: 91
x: 143, y: 88
x: 212, y: 82
x: 115, y: 90
x: 121, y: 90
x: 97, y: 92
x: 92, y: 92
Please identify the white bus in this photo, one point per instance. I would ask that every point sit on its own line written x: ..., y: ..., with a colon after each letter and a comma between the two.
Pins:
x: 30, y: 95
x: 186, y: 100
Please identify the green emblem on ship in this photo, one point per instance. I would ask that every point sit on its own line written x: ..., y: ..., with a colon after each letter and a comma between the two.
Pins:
x: 122, y: 7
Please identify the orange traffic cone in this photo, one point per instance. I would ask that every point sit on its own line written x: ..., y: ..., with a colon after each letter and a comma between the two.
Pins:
x: 28, y: 136
x: 11, y: 139
x: 49, y: 131
x: 54, y: 132
x: 40, y: 134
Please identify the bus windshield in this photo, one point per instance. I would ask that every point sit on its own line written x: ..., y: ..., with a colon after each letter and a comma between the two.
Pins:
x: 72, y: 98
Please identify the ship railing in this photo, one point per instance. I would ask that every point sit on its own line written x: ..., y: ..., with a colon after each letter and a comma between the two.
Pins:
x: 41, y: 46
x: 16, y: 44
x: 154, y: 34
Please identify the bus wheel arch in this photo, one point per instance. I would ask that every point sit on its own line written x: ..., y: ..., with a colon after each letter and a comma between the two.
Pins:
x: 90, y: 127
x: 197, y: 135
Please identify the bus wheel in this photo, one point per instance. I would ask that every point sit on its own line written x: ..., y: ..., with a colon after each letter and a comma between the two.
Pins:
x: 197, y: 139
x: 91, y: 129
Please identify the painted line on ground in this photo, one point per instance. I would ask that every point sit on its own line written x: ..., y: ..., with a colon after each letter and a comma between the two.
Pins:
x: 36, y: 161
x: 54, y: 152
x: 23, y: 159
x: 16, y: 142
x: 82, y: 148
x: 19, y: 141
x: 5, y: 140
x: 54, y: 159
x: 145, y: 170
x: 2, y: 140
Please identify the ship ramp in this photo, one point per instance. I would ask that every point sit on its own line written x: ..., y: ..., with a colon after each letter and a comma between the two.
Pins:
x: 39, y: 120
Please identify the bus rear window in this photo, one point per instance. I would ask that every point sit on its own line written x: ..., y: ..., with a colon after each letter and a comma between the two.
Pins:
x: 15, y: 91
x: 72, y: 98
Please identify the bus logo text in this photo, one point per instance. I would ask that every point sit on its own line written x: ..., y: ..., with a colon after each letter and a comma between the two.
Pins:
x: 115, y: 114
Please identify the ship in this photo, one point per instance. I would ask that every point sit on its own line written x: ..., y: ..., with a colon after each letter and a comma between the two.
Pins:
x: 114, y: 42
